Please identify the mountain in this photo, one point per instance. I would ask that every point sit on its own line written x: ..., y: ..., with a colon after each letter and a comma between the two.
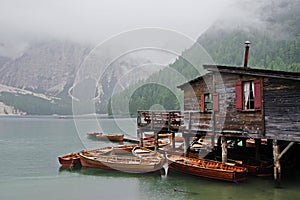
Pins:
x: 271, y: 26
x: 56, y: 68
x: 45, y: 67
x: 273, y: 30
x: 61, y: 69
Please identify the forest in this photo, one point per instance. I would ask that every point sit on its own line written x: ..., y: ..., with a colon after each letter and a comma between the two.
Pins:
x: 225, y: 48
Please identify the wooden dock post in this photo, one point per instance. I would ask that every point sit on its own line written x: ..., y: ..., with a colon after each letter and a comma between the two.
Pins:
x: 257, y: 148
x: 224, y: 148
x: 155, y: 140
x: 140, y: 135
x: 173, y: 140
x: 277, y: 167
x: 186, y: 143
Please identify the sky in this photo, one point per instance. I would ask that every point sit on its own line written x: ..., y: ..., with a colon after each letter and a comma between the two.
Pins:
x: 93, y: 21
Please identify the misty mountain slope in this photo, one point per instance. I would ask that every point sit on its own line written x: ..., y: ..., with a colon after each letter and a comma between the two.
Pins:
x: 3, y: 61
x: 272, y: 27
x: 44, y: 66
x: 50, y: 67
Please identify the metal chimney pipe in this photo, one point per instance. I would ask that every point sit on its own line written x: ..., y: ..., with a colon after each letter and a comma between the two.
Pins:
x: 247, y: 47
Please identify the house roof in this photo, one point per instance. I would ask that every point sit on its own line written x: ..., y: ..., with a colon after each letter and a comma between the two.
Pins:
x: 246, y: 71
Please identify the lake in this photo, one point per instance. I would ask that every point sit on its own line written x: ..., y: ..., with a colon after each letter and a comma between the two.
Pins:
x: 29, y: 167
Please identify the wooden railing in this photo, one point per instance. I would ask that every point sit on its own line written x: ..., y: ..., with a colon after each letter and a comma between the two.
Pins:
x: 193, y: 120
x: 168, y: 120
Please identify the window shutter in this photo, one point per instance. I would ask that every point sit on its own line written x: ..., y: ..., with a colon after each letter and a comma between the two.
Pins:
x: 202, y: 102
x: 216, y: 102
x: 238, y: 96
x: 257, y: 94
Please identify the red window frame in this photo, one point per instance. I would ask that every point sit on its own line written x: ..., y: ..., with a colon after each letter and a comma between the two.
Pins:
x: 257, y: 95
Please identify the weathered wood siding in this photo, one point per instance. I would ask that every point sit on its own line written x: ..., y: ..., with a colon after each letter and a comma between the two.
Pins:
x: 239, y: 120
x: 282, y: 109
x: 227, y: 119
x: 278, y: 118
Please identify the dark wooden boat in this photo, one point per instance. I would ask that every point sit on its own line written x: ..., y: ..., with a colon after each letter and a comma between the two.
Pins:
x: 161, y: 135
x: 207, y: 168
x: 125, y: 163
x: 150, y: 144
x: 92, y: 135
x: 254, y: 167
x: 103, y: 136
x: 73, y: 159
x: 111, y: 137
x: 70, y: 160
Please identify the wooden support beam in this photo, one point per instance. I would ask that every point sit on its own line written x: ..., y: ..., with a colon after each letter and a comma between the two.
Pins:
x: 277, y: 167
x: 173, y: 140
x: 155, y: 141
x: 257, y: 148
x: 224, y: 148
x: 140, y: 136
x: 286, y: 149
x: 244, y: 143
x: 186, y: 143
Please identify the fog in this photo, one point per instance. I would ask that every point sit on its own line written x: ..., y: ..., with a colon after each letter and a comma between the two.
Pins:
x: 92, y: 21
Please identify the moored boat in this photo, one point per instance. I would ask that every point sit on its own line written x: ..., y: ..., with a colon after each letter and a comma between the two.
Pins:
x: 144, y: 152
x: 73, y: 159
x: 106, y: 136
x: 255, y: 167
x: 101, y: 150
x: 207, y: 168
x: 111, y: 137
x: 70, y: 160
x: 125, y: 163
x: 123, y: 149
x: 92, y: 135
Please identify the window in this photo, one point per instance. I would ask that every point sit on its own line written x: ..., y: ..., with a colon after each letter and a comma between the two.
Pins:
x: 248, y: 95
x: 209, y: 102
x: 248, y: 89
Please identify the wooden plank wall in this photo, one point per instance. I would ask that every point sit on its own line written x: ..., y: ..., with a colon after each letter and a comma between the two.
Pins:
x: 282, y: 109
x: 278, y: 119
x: 228, y: 119
x: 249, y: 121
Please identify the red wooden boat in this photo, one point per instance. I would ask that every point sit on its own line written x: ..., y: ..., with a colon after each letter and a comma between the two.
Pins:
x: 102, y: 136
x: 207, y: 168
x: 73, y: 159
x: 111, y: 137
x: 70, y: 160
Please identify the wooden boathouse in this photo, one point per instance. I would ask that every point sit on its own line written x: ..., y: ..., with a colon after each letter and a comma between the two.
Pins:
x: 236, y: 103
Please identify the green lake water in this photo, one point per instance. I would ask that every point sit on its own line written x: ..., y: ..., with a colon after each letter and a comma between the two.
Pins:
x: 29, y: 168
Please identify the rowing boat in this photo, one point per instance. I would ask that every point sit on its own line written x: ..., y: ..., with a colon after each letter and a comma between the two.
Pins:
x: 207, y: 168
x: 107, y: 136
x: 143, y: 152
x: 125, y: 163
x: 73, y: 159
x: 69, y: 160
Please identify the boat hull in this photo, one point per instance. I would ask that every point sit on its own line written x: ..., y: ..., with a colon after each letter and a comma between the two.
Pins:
x: 110, y: 137
x: 129, y: 164
x: 70, y: 160
x: 193, y: 168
